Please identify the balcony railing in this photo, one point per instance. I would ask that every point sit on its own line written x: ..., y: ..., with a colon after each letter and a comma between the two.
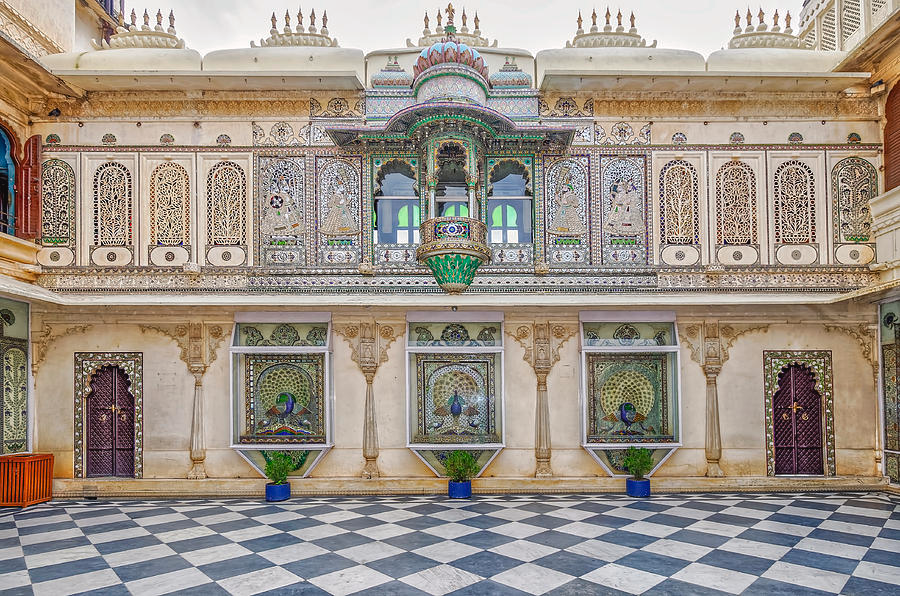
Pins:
x: 842, y: 24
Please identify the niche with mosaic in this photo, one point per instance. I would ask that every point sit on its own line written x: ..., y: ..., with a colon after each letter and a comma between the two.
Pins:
x: 280, y: 383
x: 280, y: 210
x: 624, y: 232
x: 338, y: 197
x: 567, y: 211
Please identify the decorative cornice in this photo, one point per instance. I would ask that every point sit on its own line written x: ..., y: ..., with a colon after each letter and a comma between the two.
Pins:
x: 26, y: 34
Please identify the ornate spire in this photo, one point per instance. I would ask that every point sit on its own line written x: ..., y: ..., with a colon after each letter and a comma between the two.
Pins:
x: 144, y: 36
x: 445, y: 27
x: 608, y: 37
x: 761, y: 36
x: 298, y: 36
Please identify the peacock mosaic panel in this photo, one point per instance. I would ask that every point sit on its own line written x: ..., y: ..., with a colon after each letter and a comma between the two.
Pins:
x: 284, y: 398
x: 631, y: 398
x: 455, y: 398
x: 280, y: 210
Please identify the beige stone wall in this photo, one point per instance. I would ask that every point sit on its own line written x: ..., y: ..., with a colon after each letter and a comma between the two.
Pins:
x: 168, y: 395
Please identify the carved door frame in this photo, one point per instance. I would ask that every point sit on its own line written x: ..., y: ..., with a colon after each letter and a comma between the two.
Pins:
x: 820, y: 363
x: 86, y: 365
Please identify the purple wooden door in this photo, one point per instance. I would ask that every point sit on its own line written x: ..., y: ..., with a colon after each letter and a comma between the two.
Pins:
x: 798, y: 423
x: 110, y: 424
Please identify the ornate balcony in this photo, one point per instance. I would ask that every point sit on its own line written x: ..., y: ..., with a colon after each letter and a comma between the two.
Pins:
x: 453, y: 248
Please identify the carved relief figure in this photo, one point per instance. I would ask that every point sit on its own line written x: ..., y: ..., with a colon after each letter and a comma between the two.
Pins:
x: 567, y: 221
x: 625, y: 216
x: 282, y: 212
x: 339, y: 221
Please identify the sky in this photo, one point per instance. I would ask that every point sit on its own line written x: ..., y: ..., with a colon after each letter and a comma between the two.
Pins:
x: 700, y: 25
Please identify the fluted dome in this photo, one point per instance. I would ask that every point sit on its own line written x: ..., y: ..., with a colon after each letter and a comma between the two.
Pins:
x: 449, y: 51
x: 510, y: 76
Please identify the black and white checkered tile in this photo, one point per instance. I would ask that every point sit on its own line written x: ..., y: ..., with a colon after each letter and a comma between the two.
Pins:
x: 847, y: 543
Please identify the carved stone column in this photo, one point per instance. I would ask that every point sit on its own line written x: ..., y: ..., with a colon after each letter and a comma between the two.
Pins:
x: 369, y: 342
x: 198, y: 343
x: 709, y: 343
x: 542, y: 341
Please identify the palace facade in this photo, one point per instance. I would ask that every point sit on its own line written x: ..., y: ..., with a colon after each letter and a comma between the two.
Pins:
x: 368, y: 261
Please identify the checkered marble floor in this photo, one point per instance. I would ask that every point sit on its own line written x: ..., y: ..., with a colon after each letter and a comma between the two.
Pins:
x: 846, y: 543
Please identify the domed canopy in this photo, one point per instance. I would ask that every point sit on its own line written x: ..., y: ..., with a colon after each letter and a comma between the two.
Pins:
x: 450, y: 51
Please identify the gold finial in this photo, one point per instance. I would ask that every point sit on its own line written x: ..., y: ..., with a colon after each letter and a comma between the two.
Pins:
x: 440, y: 15
x: 787, y: 20
x: 619, y: 19
x: 146, y: 18
x: 737, y: 18
x: 749, y: 17
x: 476, y: 21
x: 287, y: 20
x: 300, y: 18
x: 450, y: 12
x: 325, y: 20
x: 594, y: 18
x: 159, y: 18
x: 464, y: 17
x: 775, y: 18
x: 172, y: 19
x: 274, y: 21
x: 608, y: 15
x: 426, y: 19
x: 579, y: 21
x: 632, y: 20
x: 312, y: 18
x: 761, y: 16
x: 133, y: 18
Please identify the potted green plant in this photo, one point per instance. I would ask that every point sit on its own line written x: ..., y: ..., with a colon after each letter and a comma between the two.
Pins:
x: 278, y: 465
x: 461, y: 467
x: 638, y: 461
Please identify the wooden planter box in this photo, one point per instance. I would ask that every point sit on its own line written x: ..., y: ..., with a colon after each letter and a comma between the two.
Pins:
x: 25, y: 479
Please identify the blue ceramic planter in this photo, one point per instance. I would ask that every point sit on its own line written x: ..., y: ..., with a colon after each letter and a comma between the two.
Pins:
x: 459, y: 490
x: 278, y: 492
x: 637, y: 488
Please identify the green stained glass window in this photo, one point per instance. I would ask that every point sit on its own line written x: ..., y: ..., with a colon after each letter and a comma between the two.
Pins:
x: 619, y: 334
x: 455, y: 334
x: 281, y: 334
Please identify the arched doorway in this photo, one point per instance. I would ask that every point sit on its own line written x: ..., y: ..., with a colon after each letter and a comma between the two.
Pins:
x: 797, y: 422
x: 892, y: 139
x: 110, y: 424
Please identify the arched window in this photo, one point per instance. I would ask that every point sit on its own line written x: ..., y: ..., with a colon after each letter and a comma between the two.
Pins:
x: 397, y: 210
x: 451, y: 197
x: 795, y: 203
x: 735, y: 204
x: 7, y: 184
x: 679, y: 199
x: 226, y: 197
x: 854, y: 183
x: 170, y: 216
x: 112, y: 205
x: 57, y: 203
x: 509, y: 203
